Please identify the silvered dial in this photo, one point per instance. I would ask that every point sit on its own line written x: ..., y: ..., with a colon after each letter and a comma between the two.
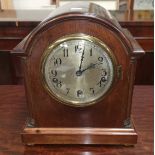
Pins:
x: 78, y: 70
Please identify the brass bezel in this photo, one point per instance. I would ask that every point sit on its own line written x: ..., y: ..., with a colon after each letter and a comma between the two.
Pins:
x: 71, y: 37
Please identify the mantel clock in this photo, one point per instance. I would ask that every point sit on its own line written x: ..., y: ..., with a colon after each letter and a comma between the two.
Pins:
x: 79, y: 67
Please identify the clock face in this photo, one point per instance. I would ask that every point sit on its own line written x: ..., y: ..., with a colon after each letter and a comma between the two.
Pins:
x: 78, y: 70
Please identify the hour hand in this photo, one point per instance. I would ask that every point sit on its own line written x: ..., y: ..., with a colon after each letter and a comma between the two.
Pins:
x: 90, y: 66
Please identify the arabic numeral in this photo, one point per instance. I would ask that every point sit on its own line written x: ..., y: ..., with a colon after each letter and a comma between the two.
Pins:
x: 57, y: 61
x: 104, y: 72
x: 79, y: 93
x: 57, y: 82
x: 92, y: 91
x: 79, y: 48
x: 102, y: 81
x: 54, y: 73
x: 65, y: 52
x: 76, y: 48
x: 91, y: 52
x: 68, y: 89
x: 100, y: 59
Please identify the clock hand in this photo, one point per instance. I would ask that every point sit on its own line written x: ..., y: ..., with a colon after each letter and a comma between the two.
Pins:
x: 90, y: 66
x: 79, y: 73
x: 82, y: 57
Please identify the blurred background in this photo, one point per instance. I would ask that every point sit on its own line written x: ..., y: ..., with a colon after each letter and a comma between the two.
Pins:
x: 48, y: 4
x: 19, y: 17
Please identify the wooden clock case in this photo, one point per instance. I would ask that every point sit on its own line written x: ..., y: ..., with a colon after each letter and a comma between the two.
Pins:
x: 106, y: 122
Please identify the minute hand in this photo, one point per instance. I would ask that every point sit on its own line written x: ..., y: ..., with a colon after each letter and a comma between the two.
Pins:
x: 82, y: 57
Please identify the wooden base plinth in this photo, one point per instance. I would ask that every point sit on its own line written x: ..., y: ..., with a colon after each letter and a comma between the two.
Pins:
x: 125, y: 136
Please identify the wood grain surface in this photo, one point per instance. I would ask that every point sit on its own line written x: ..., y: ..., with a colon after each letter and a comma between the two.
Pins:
x: 13, y: 114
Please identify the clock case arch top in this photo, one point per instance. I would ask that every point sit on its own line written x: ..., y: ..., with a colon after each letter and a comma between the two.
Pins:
x: 114, y: 111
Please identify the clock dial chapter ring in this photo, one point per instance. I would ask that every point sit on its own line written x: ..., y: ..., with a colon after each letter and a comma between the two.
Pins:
x: 78, y: 70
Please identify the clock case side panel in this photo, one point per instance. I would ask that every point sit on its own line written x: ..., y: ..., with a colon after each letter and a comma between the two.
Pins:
x: 30, y: 120
x: 137, y: 49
